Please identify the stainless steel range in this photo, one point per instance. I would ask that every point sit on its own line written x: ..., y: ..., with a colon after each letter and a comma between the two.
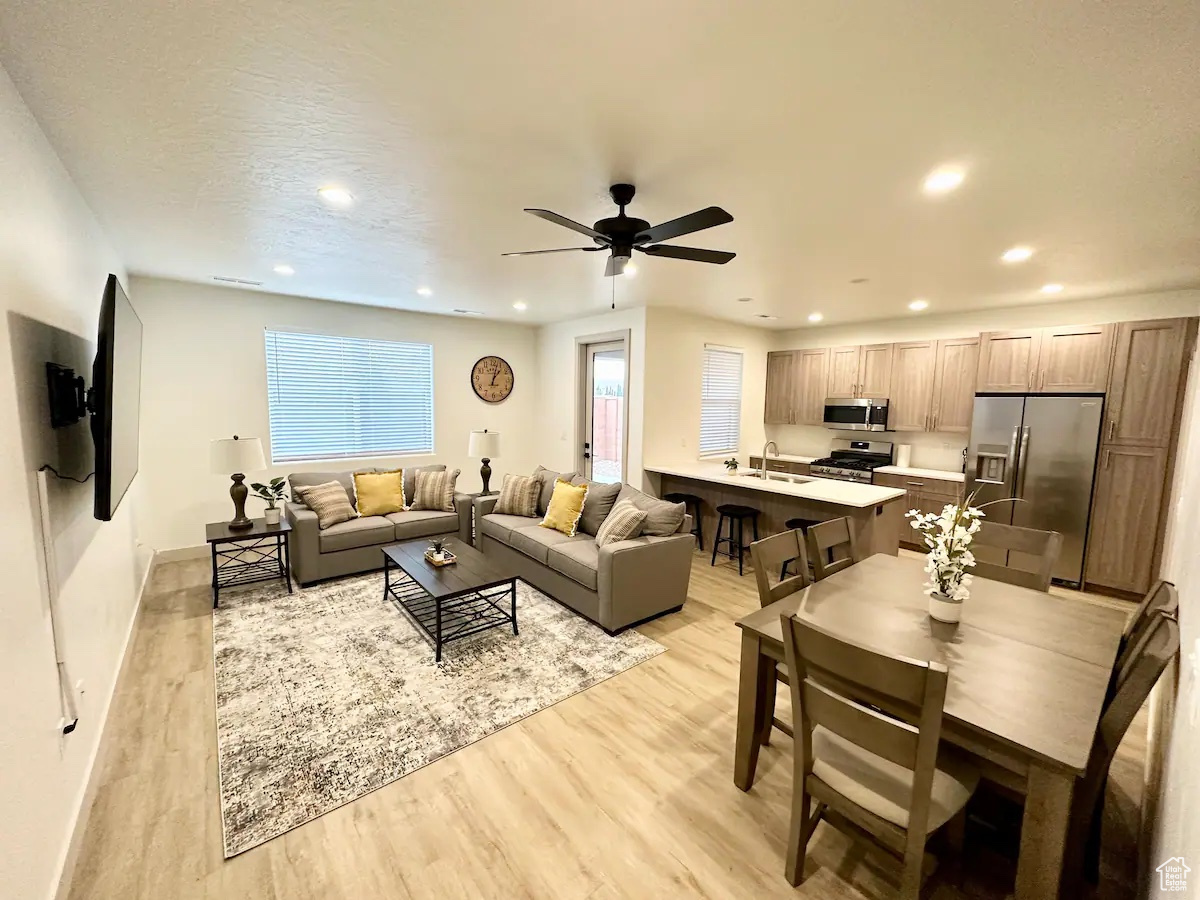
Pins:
x: 853, y: 460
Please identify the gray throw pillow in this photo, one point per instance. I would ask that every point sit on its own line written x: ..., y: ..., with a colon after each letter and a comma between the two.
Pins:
x: 662, y: 518
x: 597, y: 505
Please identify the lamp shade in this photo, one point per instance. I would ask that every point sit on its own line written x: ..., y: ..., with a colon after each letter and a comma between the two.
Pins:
x: 484, y: 445
x: 236, y: 454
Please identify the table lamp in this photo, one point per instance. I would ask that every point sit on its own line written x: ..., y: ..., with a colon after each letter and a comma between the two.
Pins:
x: 238, y: 456
x: 485, y: 446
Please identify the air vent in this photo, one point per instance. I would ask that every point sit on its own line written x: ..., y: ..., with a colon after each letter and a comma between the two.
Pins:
x: 228, y: 280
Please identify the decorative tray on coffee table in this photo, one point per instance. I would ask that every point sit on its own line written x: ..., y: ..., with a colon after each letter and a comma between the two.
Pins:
x: 448, y: 558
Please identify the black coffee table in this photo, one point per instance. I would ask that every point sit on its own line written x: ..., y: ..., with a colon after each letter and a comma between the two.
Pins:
x: 449, y: 603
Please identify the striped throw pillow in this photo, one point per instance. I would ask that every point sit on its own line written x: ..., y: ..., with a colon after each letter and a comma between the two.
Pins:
x: 329, y: 501
x: 519, y: 495
x: 622, y: 524
x: 435, y: 491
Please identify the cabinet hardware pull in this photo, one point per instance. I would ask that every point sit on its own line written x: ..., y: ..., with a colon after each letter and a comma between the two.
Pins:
x: 916, y: 483
x: 1107, y: 458
x: 1112, y: 428
x: 1042, y: 381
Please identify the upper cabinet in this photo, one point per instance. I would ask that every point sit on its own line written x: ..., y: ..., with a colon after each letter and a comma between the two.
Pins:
x: 954, y: 385
x: 1147, y: 370
x: 811, y: 372
x: 1071, y: 359
x: 860, y: 371
x: 780, y: 385
x: 843, y: 372
x: 913, y: 366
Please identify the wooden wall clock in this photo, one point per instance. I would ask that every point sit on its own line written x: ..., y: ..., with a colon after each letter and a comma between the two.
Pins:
x: 492, y: 379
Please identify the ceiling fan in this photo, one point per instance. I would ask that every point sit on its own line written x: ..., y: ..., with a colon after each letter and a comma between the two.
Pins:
x: 623, y: 234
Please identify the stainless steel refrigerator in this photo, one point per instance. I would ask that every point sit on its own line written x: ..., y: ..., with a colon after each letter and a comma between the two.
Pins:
x: 1042, y: 451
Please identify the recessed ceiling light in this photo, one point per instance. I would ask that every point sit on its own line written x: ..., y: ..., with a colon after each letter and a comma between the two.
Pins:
x: 282, y: 269
x: 765, y: 316
x: 336, y: 196
x: 467, y: 312
x: 520, y: 306
x: 1052, y: 288
x: 745, y: 299
x: 425, y: 291
x: 815, y: 317
x: 918, y: 305
x: 944, y: 179
x: 1016, y: 254
x: 631, y: 270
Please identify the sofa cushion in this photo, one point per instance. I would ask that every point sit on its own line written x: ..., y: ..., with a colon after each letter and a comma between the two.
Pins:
x: 410, y: 479
x: 535, y: 541
x: 547, y: 477
x: 360, y: 532
x: 597, y: 505
x: 416, y: 523
x: 500, y: 525
x: 311, y: 479
x: 662, y: 518
x: 579, y: 560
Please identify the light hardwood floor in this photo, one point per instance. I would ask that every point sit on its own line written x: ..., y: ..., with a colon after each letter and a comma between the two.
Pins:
x: 624, y: 790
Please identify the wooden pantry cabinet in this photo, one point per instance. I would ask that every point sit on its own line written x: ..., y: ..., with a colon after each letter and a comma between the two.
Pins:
x: 1059, y: 360
x: 1123, y: 543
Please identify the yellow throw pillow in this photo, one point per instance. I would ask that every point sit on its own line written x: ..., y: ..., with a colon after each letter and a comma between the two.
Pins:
x: 566, y: 507
x: 379, y: 493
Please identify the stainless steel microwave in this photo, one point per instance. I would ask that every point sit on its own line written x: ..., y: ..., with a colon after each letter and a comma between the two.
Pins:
x: 856, y: 415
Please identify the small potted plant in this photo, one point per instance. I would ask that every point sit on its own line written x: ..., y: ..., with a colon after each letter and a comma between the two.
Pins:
x: 731, y: 465
x: 273, y: 494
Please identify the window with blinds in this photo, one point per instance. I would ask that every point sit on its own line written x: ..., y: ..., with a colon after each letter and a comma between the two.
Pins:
x: 721, y: 402
x: 337, y: 397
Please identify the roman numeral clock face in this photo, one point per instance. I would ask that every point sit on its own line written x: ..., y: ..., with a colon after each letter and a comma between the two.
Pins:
x: 492, y: 379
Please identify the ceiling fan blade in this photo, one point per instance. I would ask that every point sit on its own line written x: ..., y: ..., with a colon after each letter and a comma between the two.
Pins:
x: 695, y: 254
x: 559, y: 250
x: 616, y: 266
x: 567, y: 223
x: 697, y: 221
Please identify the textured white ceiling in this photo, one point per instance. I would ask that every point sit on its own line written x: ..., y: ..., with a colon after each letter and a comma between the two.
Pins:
x: 199, y: 132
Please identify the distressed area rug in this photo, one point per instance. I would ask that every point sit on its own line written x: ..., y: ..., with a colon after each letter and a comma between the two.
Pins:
x: 329, y: 693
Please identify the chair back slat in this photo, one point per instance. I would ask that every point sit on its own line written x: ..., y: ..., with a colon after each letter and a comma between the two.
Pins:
x: 886, y: 677
x: 884, y: 736
x: 1163, y: 599
x: 831, y: 547
x: 1155, y: 598
x: 769, y: 555
x: 1044, y: 545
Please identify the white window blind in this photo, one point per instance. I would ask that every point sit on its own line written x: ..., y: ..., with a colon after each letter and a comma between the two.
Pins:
x: 721, y: 401
x: 337, y: 397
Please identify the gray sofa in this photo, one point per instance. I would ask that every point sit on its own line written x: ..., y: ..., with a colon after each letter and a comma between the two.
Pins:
x: 355, y: 546
x: 615, y: 586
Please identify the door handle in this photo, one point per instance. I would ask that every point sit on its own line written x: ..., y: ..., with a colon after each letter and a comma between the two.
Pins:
x: 1021, y: 454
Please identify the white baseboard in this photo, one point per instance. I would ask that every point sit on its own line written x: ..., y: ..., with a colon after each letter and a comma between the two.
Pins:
x: 83, y: 809
x: 180, y: 553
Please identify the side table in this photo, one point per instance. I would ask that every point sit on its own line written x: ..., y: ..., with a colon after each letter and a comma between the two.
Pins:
x: 246, y: 555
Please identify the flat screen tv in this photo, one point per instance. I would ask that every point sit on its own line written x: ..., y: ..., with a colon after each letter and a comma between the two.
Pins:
x: 115, y: 398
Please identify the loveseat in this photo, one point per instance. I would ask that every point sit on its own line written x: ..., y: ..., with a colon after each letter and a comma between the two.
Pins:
x: 355, y: 546
x: 615, y: 586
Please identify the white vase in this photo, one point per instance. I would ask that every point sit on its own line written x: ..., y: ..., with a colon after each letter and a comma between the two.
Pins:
x: 944, y: 609
x: 271, y: 514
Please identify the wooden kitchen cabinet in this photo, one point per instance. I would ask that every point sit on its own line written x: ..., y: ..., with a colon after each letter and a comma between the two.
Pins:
x: 1074, y: 359
x: 843, y: 372
x: 954, y: 385
x: 913, y: 366
x: 1008, y: 361
x: 929, y: 495
x: 875, y: 371
x: 781, y: 382
x: 1123, y: 543
x: 811, y: 373
x: 1147, y: 378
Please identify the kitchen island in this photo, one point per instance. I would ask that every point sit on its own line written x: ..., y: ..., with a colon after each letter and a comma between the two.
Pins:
x: 876, y: 513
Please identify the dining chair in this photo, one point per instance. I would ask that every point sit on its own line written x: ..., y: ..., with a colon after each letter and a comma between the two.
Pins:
x: 1046, y: 545
x: 831, y: 547
x: 769, y: 555
x: 878, y: 772
x: 1162, y: 600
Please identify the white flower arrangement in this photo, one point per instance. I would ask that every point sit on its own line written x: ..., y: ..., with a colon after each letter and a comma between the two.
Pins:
x: 948, y: 537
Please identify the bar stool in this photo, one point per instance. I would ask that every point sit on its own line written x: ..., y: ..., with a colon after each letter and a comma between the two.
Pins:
x: 737, y: 516
x: 791, y: 525
x: 692, y: 504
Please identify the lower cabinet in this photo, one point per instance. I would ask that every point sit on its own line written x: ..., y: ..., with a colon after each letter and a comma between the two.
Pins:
x: 929, y: 495
x: 1126, y: 515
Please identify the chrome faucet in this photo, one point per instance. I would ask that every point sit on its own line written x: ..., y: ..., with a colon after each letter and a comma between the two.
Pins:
x: 763, y: 471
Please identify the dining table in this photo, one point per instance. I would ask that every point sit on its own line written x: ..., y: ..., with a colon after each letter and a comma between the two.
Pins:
x: 1028, y: 675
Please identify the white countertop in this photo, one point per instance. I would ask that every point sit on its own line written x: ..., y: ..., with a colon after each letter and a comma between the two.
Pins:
x: 922, y: 473
x: 822, y: 490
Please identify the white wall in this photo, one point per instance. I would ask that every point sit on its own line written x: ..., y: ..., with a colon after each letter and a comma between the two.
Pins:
x: 675, y: 341
x: 944, y: 451
x: 53, y: 263
x: 560, y: 388
x: 204, y: 375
